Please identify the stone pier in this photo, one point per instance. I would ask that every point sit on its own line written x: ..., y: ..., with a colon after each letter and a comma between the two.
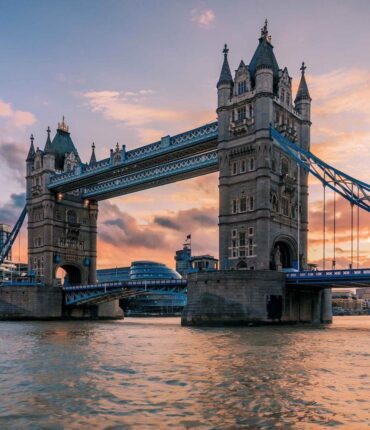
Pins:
x: 42, y: 303
x: 251, y: 297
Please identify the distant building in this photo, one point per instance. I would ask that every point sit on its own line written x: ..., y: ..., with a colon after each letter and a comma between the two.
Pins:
x: 155, y: 303
x: 186, y: 263
x: 346, y: 302
x: 5, y: 231
x: 204, y: 262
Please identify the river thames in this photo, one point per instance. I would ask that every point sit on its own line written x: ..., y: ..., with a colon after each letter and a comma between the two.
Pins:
x: 155, y: 374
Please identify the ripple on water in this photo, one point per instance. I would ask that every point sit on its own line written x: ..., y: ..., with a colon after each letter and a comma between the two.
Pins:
x: 153, y: 374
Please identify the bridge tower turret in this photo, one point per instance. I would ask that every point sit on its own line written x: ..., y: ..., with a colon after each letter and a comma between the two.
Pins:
x: 303, y: 106
x: 61, y: 228
x: 259, y: 225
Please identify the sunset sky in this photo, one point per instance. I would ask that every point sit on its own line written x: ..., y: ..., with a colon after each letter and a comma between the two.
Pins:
x: 135, y: 71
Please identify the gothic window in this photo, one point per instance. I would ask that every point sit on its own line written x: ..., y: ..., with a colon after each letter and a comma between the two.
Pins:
x: 242, y: 238
x: 251, y: 164
x: 241, y: 113
x: 233, y: 233
x: 251, y: 231
x: 251, y: 203
x: 235, y: 168
x: 250, y: 111
x: 275, y: 206
x: 235, y: 206
x: 285, y: 206
x: 243, y: 166
x: 71, y: 217
x: 242, y: 87
x: 243, y: 204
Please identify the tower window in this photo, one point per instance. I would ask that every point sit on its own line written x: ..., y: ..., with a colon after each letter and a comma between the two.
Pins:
x: 250, y: 111
x: 235, y: 168
x: 242, y: 238
x: 242, y: 87
x: 233, y: 233
x: 243, y: 204
x: 251, y: 164
x: 251, y: 231
x: 243, y: 166
x: 251, y: 203
x: 241, y: 113
x: 235, y: 206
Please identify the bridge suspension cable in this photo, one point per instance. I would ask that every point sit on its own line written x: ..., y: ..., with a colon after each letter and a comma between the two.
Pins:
x: 4, y: 251
x: 353, y: 190
x: 356, y: 192
x: 324, y: 226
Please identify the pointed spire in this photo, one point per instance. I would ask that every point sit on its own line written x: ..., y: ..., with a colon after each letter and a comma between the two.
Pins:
x: 92, y: 158
x: 264, y: 30
x: 31, y: 152
x: 225, y: 76
x: 303, y: 93
x: 47, y: 148
x: 264, y: 56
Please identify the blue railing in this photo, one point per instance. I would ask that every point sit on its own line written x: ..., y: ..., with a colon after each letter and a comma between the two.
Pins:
x: 166, y: 145
x: 172, y: 169
x: 332, y: 277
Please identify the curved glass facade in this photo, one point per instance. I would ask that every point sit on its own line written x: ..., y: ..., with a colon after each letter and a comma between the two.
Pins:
x: 155, y: 303
x: 140, y: 270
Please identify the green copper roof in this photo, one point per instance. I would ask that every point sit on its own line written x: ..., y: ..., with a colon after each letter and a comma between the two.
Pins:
x: 61, y: 145
x: 264, y: 57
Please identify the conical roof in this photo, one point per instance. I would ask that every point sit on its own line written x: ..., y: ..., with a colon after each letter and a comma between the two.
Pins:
x: 303, y: 93
x: 61, y: 145
x: 225, y: 75
x: 47, y: 149
x: 31, y: 152
x: 92, y: 158
x: 264, y: 56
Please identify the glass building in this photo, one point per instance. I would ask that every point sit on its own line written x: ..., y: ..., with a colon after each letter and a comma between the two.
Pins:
x: 161, y: 302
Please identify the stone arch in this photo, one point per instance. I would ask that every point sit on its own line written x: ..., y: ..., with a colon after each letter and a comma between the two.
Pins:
x: 242, y: 265
x: 284, y: 253
x: 73, y: 274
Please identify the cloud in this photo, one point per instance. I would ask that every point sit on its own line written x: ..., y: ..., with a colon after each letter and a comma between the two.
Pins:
x: 10, y: 211
x: 132, y: 109
x: 122, y: 239
x: 128, y: 108
x: 204, y: 18
x: 18, y: 118
x: 121, y: 229
x: 14, y: 156
x: 166, y: 222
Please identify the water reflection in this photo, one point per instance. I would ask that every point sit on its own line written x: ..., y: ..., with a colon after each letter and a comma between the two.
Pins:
x: 151, y: 373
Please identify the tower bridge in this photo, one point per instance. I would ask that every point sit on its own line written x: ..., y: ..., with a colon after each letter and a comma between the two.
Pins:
x: 260, y: 145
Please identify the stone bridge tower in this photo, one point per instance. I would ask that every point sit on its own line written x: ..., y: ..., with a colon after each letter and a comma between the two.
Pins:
x: 263, y: 220
x: 62, y: 229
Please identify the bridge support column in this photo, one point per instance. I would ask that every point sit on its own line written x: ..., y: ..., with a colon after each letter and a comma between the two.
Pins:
x: 326, y: 306
x: 232, y: 297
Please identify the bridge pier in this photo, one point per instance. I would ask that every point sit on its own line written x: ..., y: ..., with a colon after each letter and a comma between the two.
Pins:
x: 46, y: 303
x: 251, y: 297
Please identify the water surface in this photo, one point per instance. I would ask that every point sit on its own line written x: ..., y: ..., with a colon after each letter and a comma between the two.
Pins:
x: 155, y: 374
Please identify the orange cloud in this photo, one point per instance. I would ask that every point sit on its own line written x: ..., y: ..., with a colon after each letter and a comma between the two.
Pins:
x: 18, y: 118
